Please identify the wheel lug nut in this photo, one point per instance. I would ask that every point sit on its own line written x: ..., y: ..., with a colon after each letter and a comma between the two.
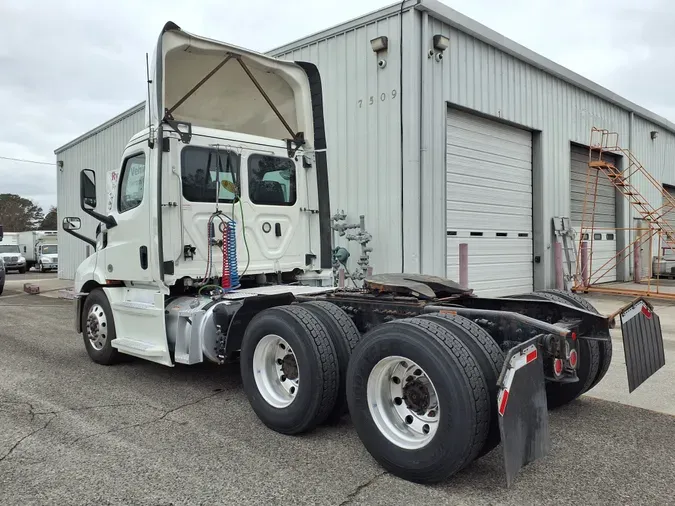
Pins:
x: 431, y: 414
x: 409, y: 419
x: 396, y: 380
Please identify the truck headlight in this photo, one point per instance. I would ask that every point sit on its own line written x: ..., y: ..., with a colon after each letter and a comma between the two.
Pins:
x: 22, y: 260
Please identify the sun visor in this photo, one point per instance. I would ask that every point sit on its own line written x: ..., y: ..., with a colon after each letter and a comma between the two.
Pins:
x: 215, y: 85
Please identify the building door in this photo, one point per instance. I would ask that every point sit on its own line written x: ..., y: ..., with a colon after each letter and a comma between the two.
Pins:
x: 603, y: 261
x: 489, y: 203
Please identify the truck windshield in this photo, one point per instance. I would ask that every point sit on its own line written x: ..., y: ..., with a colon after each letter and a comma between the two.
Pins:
x: 51, y: 249
x: 9, y: 248
x: 203, y: 168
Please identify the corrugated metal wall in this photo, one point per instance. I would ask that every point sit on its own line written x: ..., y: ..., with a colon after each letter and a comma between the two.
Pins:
x: 362, y: 110
x: 101, y: 151
x: 477, y: 76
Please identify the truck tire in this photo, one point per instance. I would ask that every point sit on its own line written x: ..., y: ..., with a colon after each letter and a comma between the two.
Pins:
x: 418, y: 399
x: 281, y: 346
x: 489, y: 357
x: 604, y: 346
x: 345, y: 336
x: 559, y: 394
x: 22, y: 270
x: 98, y: 329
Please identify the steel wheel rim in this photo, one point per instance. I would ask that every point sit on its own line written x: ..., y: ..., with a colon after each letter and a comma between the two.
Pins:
x: 275, y: 369
x: 97, y: 327
x: 403, y: 402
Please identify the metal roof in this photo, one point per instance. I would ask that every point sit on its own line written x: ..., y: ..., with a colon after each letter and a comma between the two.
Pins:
x: 110, y: 122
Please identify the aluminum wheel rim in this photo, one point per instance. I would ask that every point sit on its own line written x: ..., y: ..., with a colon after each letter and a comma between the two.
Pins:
x: 97, y: 327
x: 275, y: 369
x: 403, y: 402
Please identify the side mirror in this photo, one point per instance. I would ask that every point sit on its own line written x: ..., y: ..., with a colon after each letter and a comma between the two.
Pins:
x: 71, y: 223
x: 88, y: 190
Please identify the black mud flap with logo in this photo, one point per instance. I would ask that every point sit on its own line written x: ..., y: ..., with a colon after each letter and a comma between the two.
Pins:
x: 522, y: 409
x: 642, y: 342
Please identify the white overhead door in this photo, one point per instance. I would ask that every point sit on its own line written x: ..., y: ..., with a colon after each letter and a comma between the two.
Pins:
x: 603, y: 261
x: 489, y: 203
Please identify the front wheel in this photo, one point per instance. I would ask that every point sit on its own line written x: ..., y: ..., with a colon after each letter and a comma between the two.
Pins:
x: 22, y: 270
x: 98, y: 328
x: 41, y: 267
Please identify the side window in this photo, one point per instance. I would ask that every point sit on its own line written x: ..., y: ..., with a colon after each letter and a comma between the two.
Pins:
x: 271, y: 180
x: 132, y: 183
x: 202, y: 168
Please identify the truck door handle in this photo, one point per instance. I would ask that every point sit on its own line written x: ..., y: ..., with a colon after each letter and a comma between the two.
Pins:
x: 143, y: 250
x: 277, y: 229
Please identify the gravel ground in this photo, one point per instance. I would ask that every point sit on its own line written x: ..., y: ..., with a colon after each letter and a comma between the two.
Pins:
x: 73, y: 432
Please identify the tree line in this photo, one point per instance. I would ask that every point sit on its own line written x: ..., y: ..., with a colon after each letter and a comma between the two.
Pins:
x: 18, y: 214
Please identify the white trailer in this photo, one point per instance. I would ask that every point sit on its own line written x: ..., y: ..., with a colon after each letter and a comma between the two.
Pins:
x: 214, y: 245
x: 40, y: 248
x: 10, y: 251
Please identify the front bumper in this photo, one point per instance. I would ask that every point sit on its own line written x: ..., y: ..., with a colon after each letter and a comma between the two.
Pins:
x: 52, y: 266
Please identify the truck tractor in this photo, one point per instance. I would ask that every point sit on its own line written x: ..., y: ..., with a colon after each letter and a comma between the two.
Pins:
x: 40, y: 248
x: 214, y: 245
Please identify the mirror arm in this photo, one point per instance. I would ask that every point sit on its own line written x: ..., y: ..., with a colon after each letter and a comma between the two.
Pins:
x: 108, y: 220
x: 81, y: 237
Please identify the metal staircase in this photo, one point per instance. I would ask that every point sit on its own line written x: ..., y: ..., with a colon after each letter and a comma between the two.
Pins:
x: 603, y: 141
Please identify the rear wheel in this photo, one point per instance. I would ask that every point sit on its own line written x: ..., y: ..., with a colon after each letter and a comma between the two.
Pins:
x: 418, y: 399
x: 559, y: 394
x: 489, y: 357
x: 345, y: 336
x: 289, y: 369
x: 605, y: 347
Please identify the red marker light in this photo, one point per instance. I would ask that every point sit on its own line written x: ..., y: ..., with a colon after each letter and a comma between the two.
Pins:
x: 557, y: 366
x: 646, y: 312
x: 504, y: 400
x: 531, y: 356
x: 573, y: 358
x: 574, y: 336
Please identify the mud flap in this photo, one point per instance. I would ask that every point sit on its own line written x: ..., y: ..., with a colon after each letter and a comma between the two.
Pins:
x: 642, y: 342
x: 521, y: 404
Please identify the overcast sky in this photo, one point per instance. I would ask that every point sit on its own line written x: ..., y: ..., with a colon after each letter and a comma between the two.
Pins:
x: 66, y: 66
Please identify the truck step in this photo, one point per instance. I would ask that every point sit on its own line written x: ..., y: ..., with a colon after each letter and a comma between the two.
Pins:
x: 137, y: 347
x: 136, y: 308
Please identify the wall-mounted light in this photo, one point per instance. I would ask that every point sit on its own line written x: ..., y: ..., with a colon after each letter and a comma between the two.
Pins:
x: 441, y: 42
x: 653, y: 134
x: 379, y: 43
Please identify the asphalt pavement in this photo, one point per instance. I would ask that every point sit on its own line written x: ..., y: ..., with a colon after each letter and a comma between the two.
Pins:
x: 73, y: 432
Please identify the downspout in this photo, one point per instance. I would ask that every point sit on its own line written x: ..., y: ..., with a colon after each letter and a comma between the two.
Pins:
x: 631, y: 222
x: 424, y: 129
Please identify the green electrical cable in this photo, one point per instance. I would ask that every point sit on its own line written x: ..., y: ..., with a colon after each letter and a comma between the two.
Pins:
x: 243, y: 231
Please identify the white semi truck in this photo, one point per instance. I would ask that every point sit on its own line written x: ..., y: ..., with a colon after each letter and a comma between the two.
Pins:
x: 40, y: 248
x: 11, y: 254
x: 214, y: 245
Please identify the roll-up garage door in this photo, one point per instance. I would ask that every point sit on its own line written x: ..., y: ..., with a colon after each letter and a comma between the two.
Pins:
x: 489, y: 203
x: 603, y: 263
x: 668, y: 216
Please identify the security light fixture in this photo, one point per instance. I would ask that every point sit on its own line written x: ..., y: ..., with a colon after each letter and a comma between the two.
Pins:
x: 441, y: 42
x: 379, y: 43
x: 653, y: 134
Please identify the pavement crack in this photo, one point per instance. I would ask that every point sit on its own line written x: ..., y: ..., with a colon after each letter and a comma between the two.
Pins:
x: 16, y: 445
x: 353, y: 494
x: 148, y: 422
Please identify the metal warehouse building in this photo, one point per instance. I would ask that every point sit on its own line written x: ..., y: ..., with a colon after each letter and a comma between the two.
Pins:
x: 482, y: 142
